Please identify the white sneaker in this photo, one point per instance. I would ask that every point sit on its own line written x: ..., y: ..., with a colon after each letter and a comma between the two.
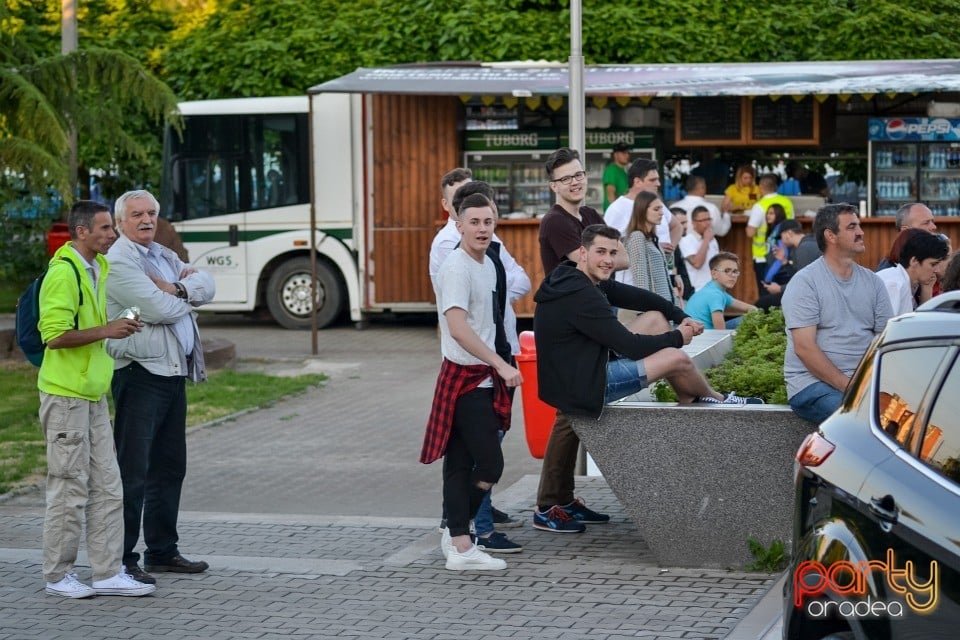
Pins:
x: 473, y: 560
x: 70, y: 587
x: 446, y: 542
x: 122, y: 585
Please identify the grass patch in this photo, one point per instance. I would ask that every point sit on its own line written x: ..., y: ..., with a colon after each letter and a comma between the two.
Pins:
x: 22, y: 450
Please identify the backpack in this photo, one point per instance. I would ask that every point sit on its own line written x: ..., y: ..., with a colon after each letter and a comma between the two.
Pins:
x: 28, y: 315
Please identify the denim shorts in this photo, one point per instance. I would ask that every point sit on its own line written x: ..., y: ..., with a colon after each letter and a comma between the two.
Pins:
x: 624, y: 378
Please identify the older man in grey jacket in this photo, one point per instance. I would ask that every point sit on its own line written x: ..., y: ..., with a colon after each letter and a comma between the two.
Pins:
x: 149, y: 382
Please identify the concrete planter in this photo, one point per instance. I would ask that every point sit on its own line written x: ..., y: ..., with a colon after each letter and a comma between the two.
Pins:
x: 699, y: 480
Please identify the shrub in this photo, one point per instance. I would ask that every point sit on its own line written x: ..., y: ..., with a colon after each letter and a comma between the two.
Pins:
x: 754, y: 366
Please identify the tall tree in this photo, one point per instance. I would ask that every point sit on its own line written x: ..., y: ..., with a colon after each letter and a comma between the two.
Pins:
x: 91, y: 89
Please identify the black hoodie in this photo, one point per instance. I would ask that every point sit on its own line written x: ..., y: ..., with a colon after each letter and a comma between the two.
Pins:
x: 575, y: 330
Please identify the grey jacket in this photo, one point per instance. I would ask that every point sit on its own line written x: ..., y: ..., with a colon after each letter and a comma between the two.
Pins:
x: 156, y: 347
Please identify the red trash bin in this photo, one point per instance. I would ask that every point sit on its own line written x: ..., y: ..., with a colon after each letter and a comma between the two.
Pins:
x: 538, y: 416
x: 57, y: 236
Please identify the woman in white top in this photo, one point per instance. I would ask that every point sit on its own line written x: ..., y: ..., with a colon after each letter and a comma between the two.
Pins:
x: 917, y: 256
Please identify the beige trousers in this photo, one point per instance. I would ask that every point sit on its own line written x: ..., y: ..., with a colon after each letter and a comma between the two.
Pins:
x: 83, y: 487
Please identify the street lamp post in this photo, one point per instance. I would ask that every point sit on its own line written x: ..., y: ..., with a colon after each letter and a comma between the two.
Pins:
x: 576, y: 98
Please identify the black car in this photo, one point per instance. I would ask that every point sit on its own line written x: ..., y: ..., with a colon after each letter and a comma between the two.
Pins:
x: 876, y: 544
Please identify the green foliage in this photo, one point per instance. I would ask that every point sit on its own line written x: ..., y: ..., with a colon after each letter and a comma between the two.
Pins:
x: 772, y: 559
x: 23, y: 246
x: 116, y: 107
x: 754, y: 366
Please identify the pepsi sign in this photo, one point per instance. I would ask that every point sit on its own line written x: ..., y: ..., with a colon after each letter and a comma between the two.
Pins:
x: 907, y: 129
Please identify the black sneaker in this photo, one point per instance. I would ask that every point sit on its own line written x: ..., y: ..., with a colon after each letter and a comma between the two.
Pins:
x: 498, y: 542
x: 579, y: 512
x: 138, y: 574
x: 504, y: 520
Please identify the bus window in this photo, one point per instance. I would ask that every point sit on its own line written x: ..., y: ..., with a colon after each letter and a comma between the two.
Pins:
x: 233, y: 163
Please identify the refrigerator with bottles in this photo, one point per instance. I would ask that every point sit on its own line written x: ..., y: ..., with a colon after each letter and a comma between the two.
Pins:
x: 519, y: 180
x: 914, y: 160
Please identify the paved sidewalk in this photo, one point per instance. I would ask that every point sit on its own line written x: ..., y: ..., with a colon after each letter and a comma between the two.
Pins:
x: 318, y: 522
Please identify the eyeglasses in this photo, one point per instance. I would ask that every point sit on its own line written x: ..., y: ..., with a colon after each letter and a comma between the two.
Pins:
x: 729, y: 272
x: 578, y: 176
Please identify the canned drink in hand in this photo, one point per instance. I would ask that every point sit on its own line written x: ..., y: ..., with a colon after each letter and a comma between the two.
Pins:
x: 131, y: 313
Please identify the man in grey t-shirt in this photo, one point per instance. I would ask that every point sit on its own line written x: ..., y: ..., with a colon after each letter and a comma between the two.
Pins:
x: 833, y: 309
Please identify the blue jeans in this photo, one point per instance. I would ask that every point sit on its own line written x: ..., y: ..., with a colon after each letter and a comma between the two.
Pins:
x: 483, y: 521
x: 816, y: 402
x: 150, y: 435
x: 624, y: 378
x: 733, y: 323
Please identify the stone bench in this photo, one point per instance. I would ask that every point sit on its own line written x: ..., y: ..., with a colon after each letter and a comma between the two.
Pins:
x: 699, y: 480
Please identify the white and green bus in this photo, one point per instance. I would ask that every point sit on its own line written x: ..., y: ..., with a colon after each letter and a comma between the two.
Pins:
x: 236, y: 185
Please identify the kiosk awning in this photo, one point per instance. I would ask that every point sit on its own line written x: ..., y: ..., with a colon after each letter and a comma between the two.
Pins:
x: 523, y: 79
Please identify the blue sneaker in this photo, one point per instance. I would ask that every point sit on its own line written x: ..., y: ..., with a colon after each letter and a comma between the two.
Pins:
x: 579, y: 512
x: 556, y: 520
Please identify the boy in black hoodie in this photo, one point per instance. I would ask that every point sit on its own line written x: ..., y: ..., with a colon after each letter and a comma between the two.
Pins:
x: 586, y: 358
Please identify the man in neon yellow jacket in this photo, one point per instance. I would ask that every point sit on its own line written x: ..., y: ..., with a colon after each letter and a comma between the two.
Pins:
x: 83, y: 479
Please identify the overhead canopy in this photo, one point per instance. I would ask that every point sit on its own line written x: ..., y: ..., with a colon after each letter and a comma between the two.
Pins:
x: 656, y: 80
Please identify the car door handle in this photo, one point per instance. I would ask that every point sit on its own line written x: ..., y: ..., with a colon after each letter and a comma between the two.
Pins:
x: 884, y: 508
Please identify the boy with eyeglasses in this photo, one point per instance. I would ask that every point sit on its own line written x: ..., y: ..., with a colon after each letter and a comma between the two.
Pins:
x: 710, y: 302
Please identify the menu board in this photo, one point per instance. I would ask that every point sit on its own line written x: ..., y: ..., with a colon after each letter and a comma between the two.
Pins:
x: 710, y: 119
x: 783, y: 119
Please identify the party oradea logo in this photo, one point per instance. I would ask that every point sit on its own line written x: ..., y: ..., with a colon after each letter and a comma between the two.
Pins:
x: 842, y: 588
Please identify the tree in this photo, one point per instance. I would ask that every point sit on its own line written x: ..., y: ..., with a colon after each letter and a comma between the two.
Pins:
x: 114, y: 104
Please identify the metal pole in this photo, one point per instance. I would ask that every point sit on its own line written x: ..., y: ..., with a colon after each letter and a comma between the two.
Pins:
x: 576, y: 98
x: 69, y: 42
x: 314, y: 289
x: 575, y: 108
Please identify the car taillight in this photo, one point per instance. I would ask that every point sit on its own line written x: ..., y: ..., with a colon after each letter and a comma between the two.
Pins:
x: 814, y: 450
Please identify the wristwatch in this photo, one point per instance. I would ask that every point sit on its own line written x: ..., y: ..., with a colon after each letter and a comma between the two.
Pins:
x: 181, y: 290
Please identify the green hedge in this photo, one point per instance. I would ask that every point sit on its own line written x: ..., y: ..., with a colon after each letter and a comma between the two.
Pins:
x: 754, y: 366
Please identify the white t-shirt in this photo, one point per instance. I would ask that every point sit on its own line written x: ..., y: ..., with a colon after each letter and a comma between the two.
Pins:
x: 719, y: 221
x: 518, y: 282
x: 469, y: 285
x: 897, y: 281
x: 689, y: 245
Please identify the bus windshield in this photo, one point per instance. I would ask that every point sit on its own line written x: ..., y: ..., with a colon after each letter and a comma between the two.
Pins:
x: 228, y: 163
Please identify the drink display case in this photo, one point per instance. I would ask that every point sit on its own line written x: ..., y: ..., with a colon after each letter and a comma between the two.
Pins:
x: 915, y: 159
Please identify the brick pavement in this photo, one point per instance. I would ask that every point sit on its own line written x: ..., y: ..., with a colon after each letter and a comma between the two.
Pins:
x: 335, y: 577
x: 319, y: 523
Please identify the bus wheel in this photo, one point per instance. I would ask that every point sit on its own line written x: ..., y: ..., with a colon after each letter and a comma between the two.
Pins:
x: 289, y: 294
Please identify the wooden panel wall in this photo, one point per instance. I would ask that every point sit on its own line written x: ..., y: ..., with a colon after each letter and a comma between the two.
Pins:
x: 520, y: 238
x: 415, y: 142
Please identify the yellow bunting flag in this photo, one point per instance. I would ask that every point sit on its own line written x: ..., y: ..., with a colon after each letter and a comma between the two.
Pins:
x: 600, y: 101
x: 465, y: 98
x: 798, y: 98
x: 488, y: 100
x: 867, y: 96
x: 533, y: 102
x: 774, y: 97
x: 821, y: 97
x: 646, y: 99
x: 623, y: 100
x: 510, y: 102
x: 844, y: 97
x: 555, y: 102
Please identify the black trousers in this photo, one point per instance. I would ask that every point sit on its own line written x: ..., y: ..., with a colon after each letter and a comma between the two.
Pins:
x: 150, y: 435
x: 473, y: 455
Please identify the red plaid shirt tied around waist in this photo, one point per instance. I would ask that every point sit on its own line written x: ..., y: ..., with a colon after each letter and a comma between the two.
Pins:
x: 454, y: 381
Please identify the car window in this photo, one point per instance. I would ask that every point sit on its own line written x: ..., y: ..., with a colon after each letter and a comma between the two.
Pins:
x: 857, y: 398
x: 940, y: 448
x: 905, y: 375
